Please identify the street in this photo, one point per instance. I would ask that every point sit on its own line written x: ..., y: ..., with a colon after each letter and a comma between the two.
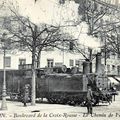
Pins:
x: 45, y: 111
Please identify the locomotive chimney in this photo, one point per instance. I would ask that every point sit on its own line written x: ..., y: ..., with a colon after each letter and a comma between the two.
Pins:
x: 98, y: 63
x: 86, y: 67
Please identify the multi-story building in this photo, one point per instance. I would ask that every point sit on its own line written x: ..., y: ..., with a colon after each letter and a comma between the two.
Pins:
x: 55, y: 58
x: 112, y: 59
x: 48, y: 59
x: 112, y: 64
x: 113, y: 2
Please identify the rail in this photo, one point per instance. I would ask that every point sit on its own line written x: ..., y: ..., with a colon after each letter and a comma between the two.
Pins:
x: 25, y: 66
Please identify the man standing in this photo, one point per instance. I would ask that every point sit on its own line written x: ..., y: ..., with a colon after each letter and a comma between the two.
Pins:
x: 26, y: 95
x: 89, y: 99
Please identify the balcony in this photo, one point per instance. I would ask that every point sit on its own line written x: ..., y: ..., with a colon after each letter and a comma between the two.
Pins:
x: 25, y: 66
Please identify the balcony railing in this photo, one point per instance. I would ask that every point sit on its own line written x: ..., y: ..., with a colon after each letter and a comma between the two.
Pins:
x: 25, y: 66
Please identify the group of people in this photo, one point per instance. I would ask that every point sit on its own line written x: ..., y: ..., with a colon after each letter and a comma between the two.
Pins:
x: 89, y: 97
x: 26, y: 97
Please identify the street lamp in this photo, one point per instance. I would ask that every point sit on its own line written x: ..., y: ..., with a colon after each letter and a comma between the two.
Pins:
x: 4, y: 104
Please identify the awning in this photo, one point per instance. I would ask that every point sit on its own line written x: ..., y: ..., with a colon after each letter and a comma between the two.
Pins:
x: 118, y: 78
x: 113, y: 80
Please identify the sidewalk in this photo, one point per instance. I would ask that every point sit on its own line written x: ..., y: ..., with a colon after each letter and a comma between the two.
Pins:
x: 44, y: 111
x: 16, y: 111
x: 19, y: 107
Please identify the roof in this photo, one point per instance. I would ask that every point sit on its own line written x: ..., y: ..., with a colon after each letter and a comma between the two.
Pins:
x: 118, y: 79
x: 113, y: 80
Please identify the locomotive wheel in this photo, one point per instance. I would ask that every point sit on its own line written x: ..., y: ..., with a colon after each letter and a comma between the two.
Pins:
x: 83, y: 104
x: 12, y: 98
x: 95, y: 102
x: 71, y: 101
x: 58, y: 101
x: 57, y: 98
x: 50, y: 100
x: 64, y: 99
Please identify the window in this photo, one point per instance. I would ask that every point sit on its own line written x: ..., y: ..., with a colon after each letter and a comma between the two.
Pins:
x: 113, y: 55
x: 108, y: 68
x: 118, y: 55
x: 95, y: 6
x: 118, y: 69
x: 71, y: 62
x: 77, y: 63
x: 7, y: 61
x: 50, y: 63
x: 24, y: 28
x: 108, y: 54
x: 22, y: 61
x: 22, y: 46
x: 7, y: 23
x: 113, y: 67
x: 71, y: 46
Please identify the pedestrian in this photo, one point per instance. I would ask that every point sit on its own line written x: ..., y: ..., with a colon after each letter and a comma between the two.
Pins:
x: 89, y: 99
x: 114, y: 91
x: 26, y: 94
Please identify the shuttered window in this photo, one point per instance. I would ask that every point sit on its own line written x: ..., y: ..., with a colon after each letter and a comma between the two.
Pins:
x: 7, y: 61
x: 22, y: 61
x: 50, y: 63
x: 71, y: 62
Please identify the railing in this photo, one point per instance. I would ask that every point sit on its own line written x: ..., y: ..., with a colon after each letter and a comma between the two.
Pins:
x: 25, y: 66
x: 113, y: 72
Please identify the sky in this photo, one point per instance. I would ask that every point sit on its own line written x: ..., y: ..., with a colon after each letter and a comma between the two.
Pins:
x: 51, y: 12
x: 47, y: 11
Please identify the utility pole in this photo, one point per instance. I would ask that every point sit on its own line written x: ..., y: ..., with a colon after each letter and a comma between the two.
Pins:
x: 4, y: 104
x: 63, y: 53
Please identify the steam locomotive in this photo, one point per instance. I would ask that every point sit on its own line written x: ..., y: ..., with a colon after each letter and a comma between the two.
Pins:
x: 59, y: 85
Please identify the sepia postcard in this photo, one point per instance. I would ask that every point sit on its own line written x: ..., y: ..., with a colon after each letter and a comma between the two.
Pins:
x: 59, y: 59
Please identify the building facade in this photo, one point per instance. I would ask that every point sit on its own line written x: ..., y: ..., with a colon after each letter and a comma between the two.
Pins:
x: 48, y: 59
x: 113, y: 2
x: 56, y: 58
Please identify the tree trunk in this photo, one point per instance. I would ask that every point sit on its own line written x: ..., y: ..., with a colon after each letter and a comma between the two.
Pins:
x: 33, y: 87
x: 38, y: 59
x: 33, y: 91
x: 90, y: 59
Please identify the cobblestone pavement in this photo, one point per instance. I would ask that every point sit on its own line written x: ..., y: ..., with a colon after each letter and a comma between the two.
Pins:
x: 44, y: 111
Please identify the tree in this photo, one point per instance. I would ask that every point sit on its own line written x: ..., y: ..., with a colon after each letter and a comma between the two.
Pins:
x: 94, y: 12
x: 33, y: 38
x: 113, y: 40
